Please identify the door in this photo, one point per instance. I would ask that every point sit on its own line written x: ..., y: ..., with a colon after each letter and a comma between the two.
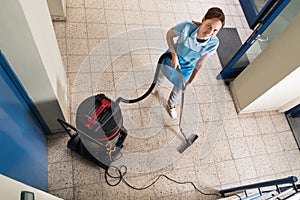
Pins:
x: 23, y: 141
x: 256, y: 10
x: 293, y: 117
x: 277, y: 15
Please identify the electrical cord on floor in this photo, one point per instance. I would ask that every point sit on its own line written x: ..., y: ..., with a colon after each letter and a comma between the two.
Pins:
x: 120, y: 177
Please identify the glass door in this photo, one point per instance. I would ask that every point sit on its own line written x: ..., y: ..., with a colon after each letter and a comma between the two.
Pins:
x: 293, y: 117
x: 275, y: 20
x: 255, y: 10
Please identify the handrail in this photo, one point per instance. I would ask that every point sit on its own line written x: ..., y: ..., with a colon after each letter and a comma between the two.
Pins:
x: 291, y: 179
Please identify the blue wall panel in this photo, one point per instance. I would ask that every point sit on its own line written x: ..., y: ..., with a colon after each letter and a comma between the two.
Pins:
x: 23, y: 142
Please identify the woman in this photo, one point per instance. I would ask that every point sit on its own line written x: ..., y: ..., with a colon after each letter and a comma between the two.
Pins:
x: 195, y: 43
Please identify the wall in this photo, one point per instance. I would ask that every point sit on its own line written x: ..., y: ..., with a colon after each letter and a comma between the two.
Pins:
x: 29, y: 43
x: 11, y: 189
x: 270, y: 82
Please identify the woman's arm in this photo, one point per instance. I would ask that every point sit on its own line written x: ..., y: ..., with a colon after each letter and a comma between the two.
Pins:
x: 170, y: 41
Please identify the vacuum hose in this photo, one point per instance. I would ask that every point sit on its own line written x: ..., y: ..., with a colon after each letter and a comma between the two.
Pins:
x: 148, y: 92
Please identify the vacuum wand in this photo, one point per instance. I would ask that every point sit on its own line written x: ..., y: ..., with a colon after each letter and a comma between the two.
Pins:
x: 194, y: 137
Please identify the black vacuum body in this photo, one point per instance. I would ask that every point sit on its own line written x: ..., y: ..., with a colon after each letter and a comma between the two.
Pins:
x: 100, y: 118
x: 99, y: 130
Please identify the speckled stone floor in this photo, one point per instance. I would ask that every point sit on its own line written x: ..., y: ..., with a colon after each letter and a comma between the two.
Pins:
x: 112, y: 47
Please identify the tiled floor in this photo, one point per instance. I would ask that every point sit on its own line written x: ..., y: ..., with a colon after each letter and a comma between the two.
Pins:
x: 111, y: 47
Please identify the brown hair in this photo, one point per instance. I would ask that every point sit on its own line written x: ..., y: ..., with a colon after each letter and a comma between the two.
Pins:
x: 213, y: 13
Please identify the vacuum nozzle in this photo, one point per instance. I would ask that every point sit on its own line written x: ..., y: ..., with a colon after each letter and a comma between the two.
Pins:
x: 188, y: 143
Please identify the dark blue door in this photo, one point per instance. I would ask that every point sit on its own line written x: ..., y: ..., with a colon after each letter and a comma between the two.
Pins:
x: 256, y: 10
x: 293, y: 116
x: 23, y: 142
x: 260, y: 21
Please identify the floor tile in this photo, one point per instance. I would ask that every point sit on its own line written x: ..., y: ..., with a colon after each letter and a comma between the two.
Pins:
x: 113, y: 4
x: 77, y: 46
x: 279, y: 162
x: 62, y: 45
x: 76, y: 30
x: 78, y: 63
x: 61, y: 175
x: 263, y: 165
x: 207, y: 175
x: 66, y: 194
x: 227, y: 172
x: 256, y: 145
x: 287, y: 140
x: 239, y: 148
x: 148, y: 5
x: 56, y: 149
x: 280, y: 122
x: 131, y: 4
x: 222, y: 151
x: 60, y: 29
x: 249, y: 126
x: 75, y: 15
x: 293, y: 159
x: 245, y: 168
x: 228, y: 110
x: 94, y: 4
x: 95, y: 16
x: 272, y: 143
x: 91, y: 191
x: 265, y: 124
x: 100, y: 64
x: 76, y: 3
x: 113, y: 17
x: 96, y: 30
x: 233, y: 128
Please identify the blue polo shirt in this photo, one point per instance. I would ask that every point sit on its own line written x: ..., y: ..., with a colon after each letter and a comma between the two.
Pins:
x: 189, y: 51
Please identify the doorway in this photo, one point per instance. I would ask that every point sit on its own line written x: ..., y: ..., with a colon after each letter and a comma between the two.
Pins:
x: 293, y: 117
x: 268, y: 27
x: 23, y: 149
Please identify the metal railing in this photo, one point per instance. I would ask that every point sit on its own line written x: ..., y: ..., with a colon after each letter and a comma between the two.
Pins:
x: 265, y: 190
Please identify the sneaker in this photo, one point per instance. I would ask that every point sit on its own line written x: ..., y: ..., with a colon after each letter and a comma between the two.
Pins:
x: 173, y: 112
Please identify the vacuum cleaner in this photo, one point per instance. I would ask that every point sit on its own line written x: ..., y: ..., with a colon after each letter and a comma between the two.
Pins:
x: 99, y: 133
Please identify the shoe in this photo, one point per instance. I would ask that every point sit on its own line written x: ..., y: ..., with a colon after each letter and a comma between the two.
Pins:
x: 173, y: 112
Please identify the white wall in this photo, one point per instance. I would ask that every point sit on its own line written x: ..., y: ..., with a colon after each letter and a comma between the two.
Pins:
x: 271, y: 81
x: 11, y: 189
x: 28, y: 41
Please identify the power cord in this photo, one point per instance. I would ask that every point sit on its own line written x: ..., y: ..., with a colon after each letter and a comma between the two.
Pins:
x: 120, y: 177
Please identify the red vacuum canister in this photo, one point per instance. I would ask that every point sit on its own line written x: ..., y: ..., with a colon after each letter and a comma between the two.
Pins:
x: 100, y: 118
x: 99, y: 133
